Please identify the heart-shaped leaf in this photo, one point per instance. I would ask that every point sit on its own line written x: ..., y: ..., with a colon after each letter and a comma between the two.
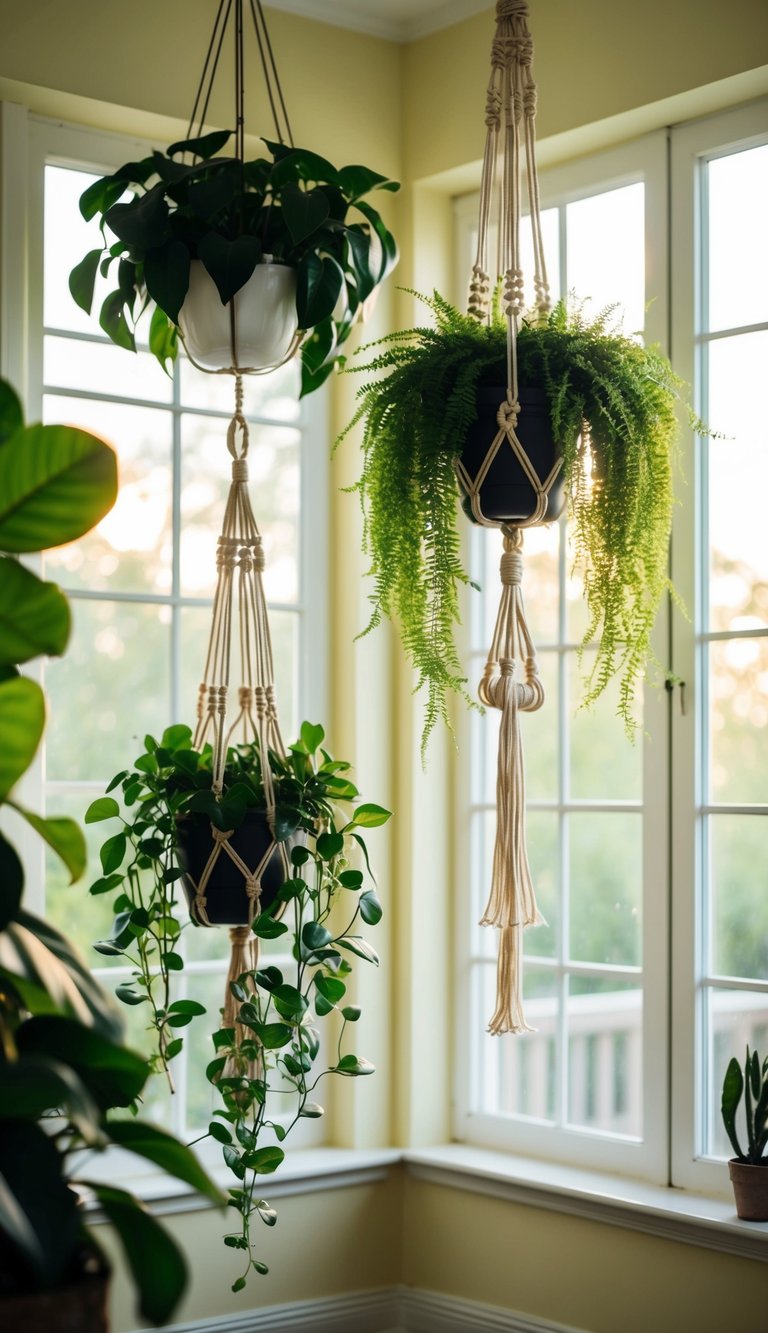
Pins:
x: 34, y: 616
x: 56, y: 482
x: 304, y: 211
x: 166, y: 274
x: 22, y: 719
x: 356, y: 181
x: 114, y: 323
x: 82, y: 280
x: 141, y: 223
x: 207, y: 145
x: 230, y: 263
x: 319, y: 282
x: 163, y: 339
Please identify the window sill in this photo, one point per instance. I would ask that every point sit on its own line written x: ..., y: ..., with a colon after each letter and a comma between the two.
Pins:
x: 672, y: 1214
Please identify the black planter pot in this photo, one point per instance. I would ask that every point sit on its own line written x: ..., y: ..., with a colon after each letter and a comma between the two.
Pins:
x: 506, y: 495
x: 226, y: 898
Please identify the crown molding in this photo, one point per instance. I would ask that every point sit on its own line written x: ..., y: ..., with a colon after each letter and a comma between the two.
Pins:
x: 360, y: 16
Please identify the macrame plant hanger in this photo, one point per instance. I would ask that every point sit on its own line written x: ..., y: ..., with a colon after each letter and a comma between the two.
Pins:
x: 509, y: 117
x: 283, y: 134
x: 239, y: 608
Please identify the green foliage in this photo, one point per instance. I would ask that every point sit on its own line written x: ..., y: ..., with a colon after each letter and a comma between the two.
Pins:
x: 753, y: 1086
x: 604, y: 389
x: 266, y: 1068
x: 63, y: 1067
x: 291, y: 205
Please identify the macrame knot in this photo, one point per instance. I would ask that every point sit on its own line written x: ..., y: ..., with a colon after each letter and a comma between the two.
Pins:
x: 271, y: 702
x: 202, y: 690
x: 221, y: 836
x: 529, y: 99
x: 511, y: 568
x: 258, y: 555
x: 493, y: 103
x: 479, y: 288
x: 514, y: 291
x: 245, y: 697
x: 507, y: 414
x: 240, y: 469
x: 226, y: 557
x: 253, y: 889
x: 511, y: 9
x: 260, y: 696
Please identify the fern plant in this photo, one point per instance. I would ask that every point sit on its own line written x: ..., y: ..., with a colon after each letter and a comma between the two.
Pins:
x: 612, y: 405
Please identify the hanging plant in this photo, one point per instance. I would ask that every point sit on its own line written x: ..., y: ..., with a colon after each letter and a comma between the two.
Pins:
x: 228, y: 217
x: 268, y: 1059
x: 611, y: 406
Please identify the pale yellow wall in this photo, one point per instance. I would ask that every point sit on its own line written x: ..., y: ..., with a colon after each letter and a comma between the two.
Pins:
x: 573, y: 1271
x: 415, y: 112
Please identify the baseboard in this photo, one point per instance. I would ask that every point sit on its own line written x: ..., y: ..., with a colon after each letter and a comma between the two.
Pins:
x: 387, y: 1310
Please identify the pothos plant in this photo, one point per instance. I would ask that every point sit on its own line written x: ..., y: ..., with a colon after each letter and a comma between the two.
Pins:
x: 613, y: 412
x: 266, y: 1068
x: 291, y: 205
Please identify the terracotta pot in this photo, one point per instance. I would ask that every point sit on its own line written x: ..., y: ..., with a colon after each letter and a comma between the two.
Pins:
x: 750, y: 1189
x: 506, y: 495
x: 80, y: 1307
x: 265, y: 319
x: 227, y: 901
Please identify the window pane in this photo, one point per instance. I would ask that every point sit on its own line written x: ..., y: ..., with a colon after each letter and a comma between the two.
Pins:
x: 738, y: 693
x: 605, y: 764
x: 605, y: 1055
x: 130, y: 550
x: 550, y: 237
x: 738, y: 225
x: 275, y: 396
x: 739, y: 856
x: 542, y: 830
x: 69, y: 907
x: 606, y: 244
x: 104, y: 369
x: 606, y: 884
x: 540, y: 732
x: 68, y: 238
x: 738, y: 481
x: 110, y: 689
x: 517, y: 1074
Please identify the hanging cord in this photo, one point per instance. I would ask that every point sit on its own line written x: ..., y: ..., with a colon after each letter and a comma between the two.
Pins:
x: 268, y: 68
x: 510, y: 112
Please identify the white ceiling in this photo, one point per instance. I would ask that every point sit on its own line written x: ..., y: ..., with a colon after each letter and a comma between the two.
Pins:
x: 398, y: 20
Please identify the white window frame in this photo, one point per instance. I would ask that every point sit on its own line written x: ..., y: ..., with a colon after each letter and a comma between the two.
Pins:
x: 692, y: 146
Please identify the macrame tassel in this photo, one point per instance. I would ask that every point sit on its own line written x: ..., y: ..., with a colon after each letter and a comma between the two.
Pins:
x: 244, y: 957
x: 512, y: 902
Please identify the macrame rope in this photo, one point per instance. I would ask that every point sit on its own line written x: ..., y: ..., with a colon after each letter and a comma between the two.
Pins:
x: 239, y: 610
x: 511, y: 903
x: 510, y: 113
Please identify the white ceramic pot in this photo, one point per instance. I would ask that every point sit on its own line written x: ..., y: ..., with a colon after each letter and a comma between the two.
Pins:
x: 265, y: 319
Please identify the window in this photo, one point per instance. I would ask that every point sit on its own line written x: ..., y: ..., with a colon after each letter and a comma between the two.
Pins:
x: 591, y: 1084
x: 141, y: 585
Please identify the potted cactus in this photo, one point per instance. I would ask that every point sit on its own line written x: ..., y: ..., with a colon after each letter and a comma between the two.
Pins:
x: 748, y: 1169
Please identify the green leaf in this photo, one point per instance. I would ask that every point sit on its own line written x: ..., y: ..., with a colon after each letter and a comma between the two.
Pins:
x: 113, y: 1074
x: 230, y: 263
x: 206, y: 146
x: 34, y: 1085
x: 142, y: 222
x: 34, y: 616
x: 351, y: 1012
x: 100, y: 196
x: 11, y: 882
x: 157, y: 1264
x: 104, y: 808
x: 56, y: 482
x: 125, y: 993
x: 166, y: 274
x: 314, y: 936
x: 311, y: 1111
x: 165, y: 1151
x: 370, y: 816
x: 163, y: 339
x: 113, y: 853
x: 331, y: 988
x: 370, y: 908
x: 22, y: 719
x: 106, y: 885
x: 304, y: 211
x: 51, y: 964
x: 350, y: 1064
x: 312, y: 736
x: 82, y: 280
x: 112, y: 320
x: 733, y: 1086
x: 264, y: 1160
x: 289, y: 1002
x: 293, y: 164
x: 318, y: 285
x: 11, y: 414
x: 64, y: 837
x: 389, y: 252
x: 350, y: 879
x: 191, y: 1007
x: 266, y: 928
x: 356, y: 181
x: 360, y: 947
x: 329, y: 845
x: 273, y: 1036
x: 219, y: 1132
